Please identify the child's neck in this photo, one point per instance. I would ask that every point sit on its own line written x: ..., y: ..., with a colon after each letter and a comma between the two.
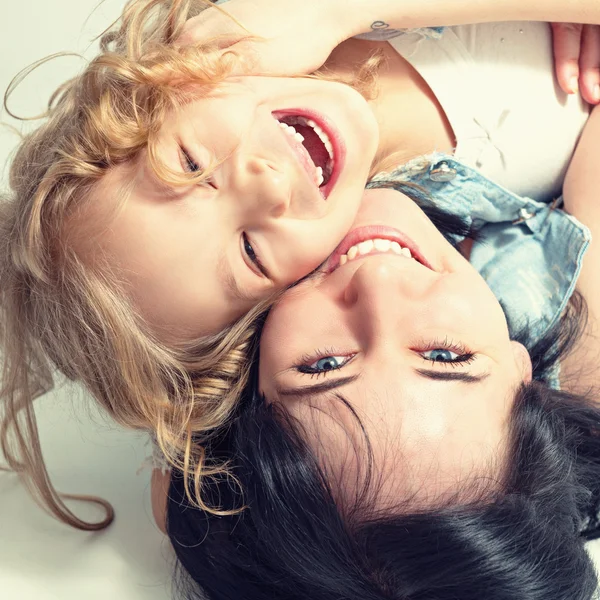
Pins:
x: 411, y: 120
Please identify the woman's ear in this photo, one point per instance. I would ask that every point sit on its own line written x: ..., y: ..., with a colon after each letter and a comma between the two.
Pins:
x: 159, y: 491
x: 523, y: 361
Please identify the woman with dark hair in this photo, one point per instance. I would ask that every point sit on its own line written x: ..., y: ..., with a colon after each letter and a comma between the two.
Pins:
x: 404, y: 479
x: 524, y: 541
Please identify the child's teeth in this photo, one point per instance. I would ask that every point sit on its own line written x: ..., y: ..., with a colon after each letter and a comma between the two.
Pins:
x: 291, y: 130
x: 396, y: 248
x: 406, y: 252
x: 320, y: 178
x: 352, y: 252
x: 324, y: 137
x: 343, y: 259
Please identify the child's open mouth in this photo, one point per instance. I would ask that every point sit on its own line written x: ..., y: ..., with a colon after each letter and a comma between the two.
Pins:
x: 315, y: 144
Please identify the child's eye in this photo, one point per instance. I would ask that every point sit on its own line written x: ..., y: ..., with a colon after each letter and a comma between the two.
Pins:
x: 250, y: 250
x: 251, y: 254
x: 189, y: 165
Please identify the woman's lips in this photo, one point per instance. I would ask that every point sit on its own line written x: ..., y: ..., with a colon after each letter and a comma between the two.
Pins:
x: 372, y: 232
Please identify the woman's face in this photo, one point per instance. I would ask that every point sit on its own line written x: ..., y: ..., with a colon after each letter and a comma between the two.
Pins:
x: 418, y: 347
x: 272, y: 211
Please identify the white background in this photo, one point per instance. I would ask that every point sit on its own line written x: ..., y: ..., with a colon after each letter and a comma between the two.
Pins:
x: 41, y: 559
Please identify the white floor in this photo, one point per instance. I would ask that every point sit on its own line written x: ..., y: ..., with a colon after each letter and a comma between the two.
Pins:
x: 41, y: 559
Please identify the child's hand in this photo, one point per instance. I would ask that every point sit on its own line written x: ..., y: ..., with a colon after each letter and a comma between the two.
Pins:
x: 577, y: 59
x: 294, y: 36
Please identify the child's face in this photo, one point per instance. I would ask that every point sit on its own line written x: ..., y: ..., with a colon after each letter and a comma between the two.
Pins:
x: 201, y: 258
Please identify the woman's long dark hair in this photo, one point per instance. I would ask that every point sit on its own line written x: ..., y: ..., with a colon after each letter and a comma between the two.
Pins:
x: 292, y: 541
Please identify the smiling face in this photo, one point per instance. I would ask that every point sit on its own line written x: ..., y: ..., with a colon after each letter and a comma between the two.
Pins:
x: 292, y: 159
x: 402, y: 327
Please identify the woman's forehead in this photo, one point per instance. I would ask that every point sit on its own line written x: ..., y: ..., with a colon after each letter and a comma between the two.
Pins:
x: 410, y: 459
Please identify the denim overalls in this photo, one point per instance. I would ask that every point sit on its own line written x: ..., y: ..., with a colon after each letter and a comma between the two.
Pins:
x: 529, y: 252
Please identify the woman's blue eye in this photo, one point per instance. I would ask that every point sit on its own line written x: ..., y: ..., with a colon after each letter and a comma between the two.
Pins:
x: 325, y: 364
x: 444, y: 355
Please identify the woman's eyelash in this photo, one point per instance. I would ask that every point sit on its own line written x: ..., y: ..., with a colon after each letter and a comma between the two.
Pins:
x: 305, y: 364
x: 463, y: 355
x: 461, y: 360
x: 334, y: 360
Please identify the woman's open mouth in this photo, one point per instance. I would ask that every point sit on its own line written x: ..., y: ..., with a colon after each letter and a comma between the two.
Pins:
x: 369, y: 240
x: 319, y: 147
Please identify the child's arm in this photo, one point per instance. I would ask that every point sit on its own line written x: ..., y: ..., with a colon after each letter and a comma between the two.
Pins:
x: 159, y: 490
x: 581, y: 370
x: 297, y: 36
x: 417, y: 13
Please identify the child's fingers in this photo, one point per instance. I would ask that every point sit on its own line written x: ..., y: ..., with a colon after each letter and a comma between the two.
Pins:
x: 589, y: 64
x: 566, y: 40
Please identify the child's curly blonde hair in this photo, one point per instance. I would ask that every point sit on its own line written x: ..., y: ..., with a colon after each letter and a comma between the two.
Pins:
x: 59, y: 311
x: 63, y: 307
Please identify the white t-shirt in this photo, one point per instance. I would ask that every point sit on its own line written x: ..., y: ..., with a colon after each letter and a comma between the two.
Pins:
x: 496, y: 83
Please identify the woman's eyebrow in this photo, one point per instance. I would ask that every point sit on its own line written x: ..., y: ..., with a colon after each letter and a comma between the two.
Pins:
x: 451, y: 376
x: 317, y: 388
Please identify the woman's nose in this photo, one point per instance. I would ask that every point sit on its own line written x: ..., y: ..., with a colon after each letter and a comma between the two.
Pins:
x: 385, y: 288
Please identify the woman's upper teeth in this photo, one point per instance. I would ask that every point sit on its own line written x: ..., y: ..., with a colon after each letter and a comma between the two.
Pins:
x: 376, y: 246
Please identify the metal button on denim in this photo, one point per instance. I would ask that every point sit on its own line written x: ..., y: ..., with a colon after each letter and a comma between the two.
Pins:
x: 524, y: 214
x: 442, y: 172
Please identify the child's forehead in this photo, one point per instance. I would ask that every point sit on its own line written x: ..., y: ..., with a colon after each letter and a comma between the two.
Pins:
x: 96, y: 207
